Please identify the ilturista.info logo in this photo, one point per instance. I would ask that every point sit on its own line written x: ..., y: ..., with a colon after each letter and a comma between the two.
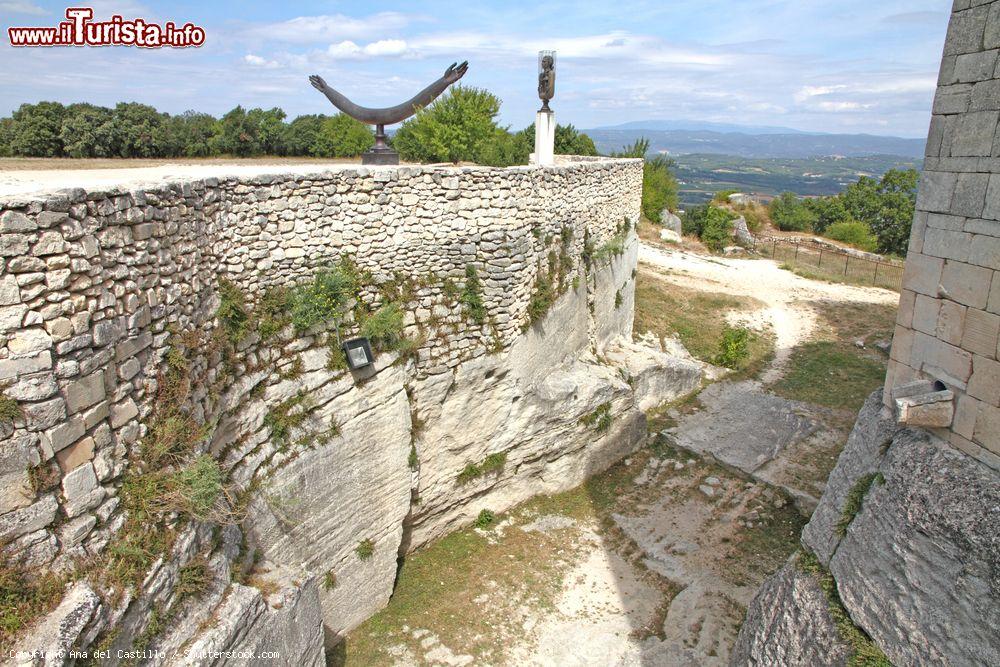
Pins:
x: 79, y: 29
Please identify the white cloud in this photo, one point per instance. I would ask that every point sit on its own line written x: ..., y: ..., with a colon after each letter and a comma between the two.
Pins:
x: 384, y: 48
x: 257, y: 61
x: 22, y: 7
x: 306, y: 29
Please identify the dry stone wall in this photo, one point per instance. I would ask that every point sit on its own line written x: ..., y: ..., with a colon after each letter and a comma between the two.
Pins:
x: 108, y: 304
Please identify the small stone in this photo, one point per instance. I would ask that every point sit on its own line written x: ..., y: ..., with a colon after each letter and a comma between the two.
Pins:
x: 73, y: 532
x: 707, y: 490
x: 14, y: 221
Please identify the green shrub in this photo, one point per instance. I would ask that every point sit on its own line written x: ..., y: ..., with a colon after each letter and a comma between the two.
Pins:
x: 717, y: 228
x: 600, y: 419
x: 342, y: 136
x: 472, y: 295
x: 192, y: 579
x: 384, y: 327
x: 365, y: 549
x: 325, y: 297
x: 541, y: 299
x: 232, y: 312
x: 493, y: 462
x: 791, y: 214
x: 195, y: 488
x: 329, y: 580
x: 458, y: 126
x: 734, y: 347
x: 856, y: 234
x: 285, y: 416
x: 273, y: 312
x: 485, y: 519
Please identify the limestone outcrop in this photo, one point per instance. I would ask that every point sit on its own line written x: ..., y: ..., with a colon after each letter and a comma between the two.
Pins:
x: 907, y: 530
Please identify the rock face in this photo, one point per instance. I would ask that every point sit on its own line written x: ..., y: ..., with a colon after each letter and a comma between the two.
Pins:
x: 917, y: 567
x: 340, y: 473
x: 791, y: 625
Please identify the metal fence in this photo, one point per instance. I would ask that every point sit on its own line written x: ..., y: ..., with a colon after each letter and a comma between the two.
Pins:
x: 831, y: 264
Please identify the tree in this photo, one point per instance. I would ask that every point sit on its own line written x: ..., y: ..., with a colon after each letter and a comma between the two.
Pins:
x: 6, y: 134
x: 790, y: 214
x: 713, y: 225
x: 301, y: 134
x: 886, y: 206
x: 827, y: 211
x: 87, y: 131
x: 456, y: 127
x: 659, y: 186
x: 133, y: 127
x: 187, y: 135
x: 267, y: 127
x: 505, y: 149
x: 342, y: 136
x: 36, y: 130
x: 236, y: 135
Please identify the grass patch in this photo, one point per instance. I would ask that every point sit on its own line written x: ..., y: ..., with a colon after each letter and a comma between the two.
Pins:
x: 865, y: 652
x: 329, y: 580
x: 287, y: 415
x: 232, y: 312
x: 698, y: 318
x: 855, y: 499
x: 600, y: 419
x: 830, y: 373
x: 25, y: 596
x: 365, y: 549
x: 325, y: 297
x: 384, y: 327
x: 492, y: 463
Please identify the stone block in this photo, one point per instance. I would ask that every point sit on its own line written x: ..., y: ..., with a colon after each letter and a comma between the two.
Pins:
x: 15, y: 221
x: 993, y: 305
x: 984, y: 383
x: 985, y: 96
x: 978, y: 66
x: 930, y: 410
x: 985, y: 251
x: 966, y: 283
x: 991, y: 37
x: 925, y: 314
x: 11, y: 368
x: 970, y: 195
x: 28, y: 519
x: 904, y: 315
x: 982, y: 330
x: 84, y: 392
x: 938, y: 359
x: 954, y: 99
x: 974, y: 134
x: 922, y: 273
x: 64, y: 434
x: 123, y: 412
x: 10, y: 294
x: 13, y: 245
x: 987, y: 431
x: 76, y: 455
x: 936, y: 190
x: 951, y: 322
x: 45, y: 414
x: 902, y: 345
x: 966, y: 411
x: 29, y: 341
x: 49, y: 243
x: 948, y: 245
x: 966, y: 30
x: 73, y: 532
x: 992, y: 208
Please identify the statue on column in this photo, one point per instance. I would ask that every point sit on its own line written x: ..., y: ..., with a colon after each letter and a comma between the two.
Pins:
x: 546, y: 78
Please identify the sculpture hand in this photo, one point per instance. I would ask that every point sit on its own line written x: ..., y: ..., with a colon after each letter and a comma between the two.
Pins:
x: 456, y: 72
x: 317, y: 82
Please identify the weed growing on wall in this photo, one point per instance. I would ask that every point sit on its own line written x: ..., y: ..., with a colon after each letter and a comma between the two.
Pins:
x: 232, y: 312
x: 272, y: 312
x: 285, y: 416
x: 492, y: 463
x: 600, y: 419
x: 329, y: 581
x: 325, y: 297
x: 384, y: 327
x: 24, y: 596
x: 365, y: 549
x: 9, y: 409
x: 472, y: 296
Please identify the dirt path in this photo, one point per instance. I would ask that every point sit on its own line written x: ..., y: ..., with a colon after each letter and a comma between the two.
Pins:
x: 785, y: 293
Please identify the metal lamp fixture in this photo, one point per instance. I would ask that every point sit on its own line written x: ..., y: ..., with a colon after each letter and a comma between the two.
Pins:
x: 358, y: 352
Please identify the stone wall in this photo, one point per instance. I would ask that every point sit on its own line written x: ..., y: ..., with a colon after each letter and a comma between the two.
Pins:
x: 949, y: 312
x: 104, y: 295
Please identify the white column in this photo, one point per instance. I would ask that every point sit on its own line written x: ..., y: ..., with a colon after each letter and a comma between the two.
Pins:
x: 545, y: 137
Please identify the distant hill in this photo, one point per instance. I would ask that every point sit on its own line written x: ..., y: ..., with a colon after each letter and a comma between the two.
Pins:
x: 668, y: 125
x: 759, y: 144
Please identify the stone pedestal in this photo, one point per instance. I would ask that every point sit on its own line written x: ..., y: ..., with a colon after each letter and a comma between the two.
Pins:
x: 545, y: 137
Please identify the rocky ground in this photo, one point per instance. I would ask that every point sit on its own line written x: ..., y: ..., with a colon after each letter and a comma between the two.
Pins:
x: 655, y: 561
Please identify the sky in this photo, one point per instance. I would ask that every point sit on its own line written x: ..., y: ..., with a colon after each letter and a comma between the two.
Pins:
x: 816, y: 65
